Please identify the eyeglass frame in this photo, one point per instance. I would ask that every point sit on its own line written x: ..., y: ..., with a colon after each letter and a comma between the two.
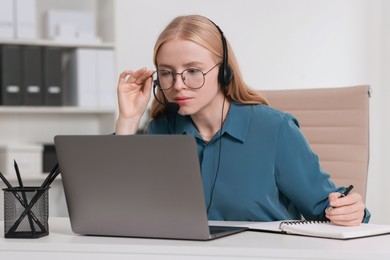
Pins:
x: 174, y: 75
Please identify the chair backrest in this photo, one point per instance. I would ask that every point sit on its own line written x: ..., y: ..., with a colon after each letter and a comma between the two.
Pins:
x: 335, y: 123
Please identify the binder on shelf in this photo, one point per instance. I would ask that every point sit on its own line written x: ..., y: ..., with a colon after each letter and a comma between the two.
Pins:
x: 82, y: 83
x: 26, y: 19
x: 6, y: 18
x: 92, y: 78
x: 52, y: 76
x: 106, y: 87
x: 11, y: 75
x: 32, y: 76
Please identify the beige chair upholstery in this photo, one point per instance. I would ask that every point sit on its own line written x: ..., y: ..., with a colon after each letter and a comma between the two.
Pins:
x: 335, y: 123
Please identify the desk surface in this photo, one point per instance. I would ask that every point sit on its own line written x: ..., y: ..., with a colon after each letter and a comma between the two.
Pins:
x: 61, y: 243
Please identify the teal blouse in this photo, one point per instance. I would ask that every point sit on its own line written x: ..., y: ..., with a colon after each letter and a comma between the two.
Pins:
x: 258, y: 168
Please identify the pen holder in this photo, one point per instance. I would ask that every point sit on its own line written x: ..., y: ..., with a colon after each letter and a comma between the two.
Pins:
x: 26, y: 212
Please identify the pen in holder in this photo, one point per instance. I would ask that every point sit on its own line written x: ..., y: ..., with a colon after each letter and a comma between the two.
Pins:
x: 27, y: 218
x: 26, y: 209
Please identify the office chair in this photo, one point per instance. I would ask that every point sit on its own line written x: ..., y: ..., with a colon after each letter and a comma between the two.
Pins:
x: 335, y: 122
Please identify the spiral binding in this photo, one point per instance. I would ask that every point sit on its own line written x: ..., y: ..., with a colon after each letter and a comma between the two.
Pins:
x: 302, y: 222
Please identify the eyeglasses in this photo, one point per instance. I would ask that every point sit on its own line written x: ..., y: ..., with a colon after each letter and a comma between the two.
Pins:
x: 192, y: 77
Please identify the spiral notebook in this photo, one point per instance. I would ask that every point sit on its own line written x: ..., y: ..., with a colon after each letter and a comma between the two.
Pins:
x: 322, y: 229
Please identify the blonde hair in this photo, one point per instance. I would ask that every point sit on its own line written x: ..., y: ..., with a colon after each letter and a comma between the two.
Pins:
x: 204, y: 32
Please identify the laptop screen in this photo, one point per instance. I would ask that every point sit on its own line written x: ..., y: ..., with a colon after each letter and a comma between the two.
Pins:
x: 138, y: 185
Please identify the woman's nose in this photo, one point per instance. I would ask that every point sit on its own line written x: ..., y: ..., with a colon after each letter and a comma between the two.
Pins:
x: 178, y: 82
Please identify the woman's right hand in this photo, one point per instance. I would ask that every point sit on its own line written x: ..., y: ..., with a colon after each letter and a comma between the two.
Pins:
x: 134, y: 91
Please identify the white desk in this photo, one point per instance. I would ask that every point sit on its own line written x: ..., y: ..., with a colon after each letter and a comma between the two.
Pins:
x: 63, y: 244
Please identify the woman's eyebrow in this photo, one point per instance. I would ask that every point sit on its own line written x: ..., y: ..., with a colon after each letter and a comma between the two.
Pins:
x: 194, y: 64
x: 188, y: 64
x: 164, y: 66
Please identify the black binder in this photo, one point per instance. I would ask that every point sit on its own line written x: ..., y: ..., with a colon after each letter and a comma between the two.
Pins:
x: 53, y: 76
x: 11, y: 75
x: 32, y: 72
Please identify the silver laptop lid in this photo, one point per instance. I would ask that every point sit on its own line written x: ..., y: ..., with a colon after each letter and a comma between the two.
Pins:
x: 139, y: 185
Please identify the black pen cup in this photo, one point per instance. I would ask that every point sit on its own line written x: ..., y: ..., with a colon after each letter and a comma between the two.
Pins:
x: 26, y: 212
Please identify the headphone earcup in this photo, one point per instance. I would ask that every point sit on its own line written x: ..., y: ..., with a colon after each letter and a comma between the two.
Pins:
x: 225, y: 75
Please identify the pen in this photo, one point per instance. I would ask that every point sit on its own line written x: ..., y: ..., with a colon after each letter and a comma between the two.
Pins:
x: 18, y: 174
x: 9, y: 186
x: 24, y: 196
x: 51, y: 176
x: 345, y: 193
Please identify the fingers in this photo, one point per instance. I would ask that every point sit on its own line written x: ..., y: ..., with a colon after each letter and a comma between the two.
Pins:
x: 148, y: 85
x: 336, y: 200
x: 124, y: 76
x: 139, y: 77
x: 356, y: 221
x: 353, y: 218
x: 135, y: 77
x: 347, y: 211
x: 333, y: 197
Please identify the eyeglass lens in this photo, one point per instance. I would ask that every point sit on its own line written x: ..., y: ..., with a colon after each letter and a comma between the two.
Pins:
x: 192, y: 78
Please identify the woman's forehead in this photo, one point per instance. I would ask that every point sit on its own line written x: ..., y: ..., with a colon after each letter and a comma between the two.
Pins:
x: 181, y: 52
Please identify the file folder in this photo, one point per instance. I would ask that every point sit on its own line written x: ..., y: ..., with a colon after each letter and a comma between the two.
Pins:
x: 11, y: 75
x: 82, y: 76
x: 106, y: 85
x: 92, y: 78
x: 53, y: 76
x: 32, y: 72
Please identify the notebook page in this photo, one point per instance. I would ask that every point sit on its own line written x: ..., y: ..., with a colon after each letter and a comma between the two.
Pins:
x: 329, y: 230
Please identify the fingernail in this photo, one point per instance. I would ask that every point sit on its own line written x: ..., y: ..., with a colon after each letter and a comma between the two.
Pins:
x: 328, y: 210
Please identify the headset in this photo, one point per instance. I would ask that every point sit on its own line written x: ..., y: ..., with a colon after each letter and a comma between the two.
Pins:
x: 225, y: 74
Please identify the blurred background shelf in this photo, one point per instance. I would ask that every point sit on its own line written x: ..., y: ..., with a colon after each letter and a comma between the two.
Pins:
x: 52, y: 43
x: 37, y: 125
x: 54, y: 110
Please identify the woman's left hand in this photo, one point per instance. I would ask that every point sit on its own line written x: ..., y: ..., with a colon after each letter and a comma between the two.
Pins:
x: 345, y: 211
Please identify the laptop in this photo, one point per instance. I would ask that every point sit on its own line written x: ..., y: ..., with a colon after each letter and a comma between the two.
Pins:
x: 135, y: 186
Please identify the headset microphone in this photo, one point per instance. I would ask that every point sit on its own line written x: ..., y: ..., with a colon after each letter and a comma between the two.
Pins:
x: 155, y: 84
x: 171, y: 108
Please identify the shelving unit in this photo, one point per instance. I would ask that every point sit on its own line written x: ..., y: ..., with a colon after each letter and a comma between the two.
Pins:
x: 51, y: 43
x: 53, y: 110
x: 39, y: 124
x: 29, y: 124
x: 25, y: 125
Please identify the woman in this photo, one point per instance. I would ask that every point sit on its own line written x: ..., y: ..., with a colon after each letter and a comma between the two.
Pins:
x: 256, y: 164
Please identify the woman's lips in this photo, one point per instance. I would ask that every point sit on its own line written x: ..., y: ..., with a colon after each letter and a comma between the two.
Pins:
x: 182, y: 100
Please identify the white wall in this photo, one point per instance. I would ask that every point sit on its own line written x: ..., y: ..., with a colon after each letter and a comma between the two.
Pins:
x: 386, y: 105
x: 287, y: 44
